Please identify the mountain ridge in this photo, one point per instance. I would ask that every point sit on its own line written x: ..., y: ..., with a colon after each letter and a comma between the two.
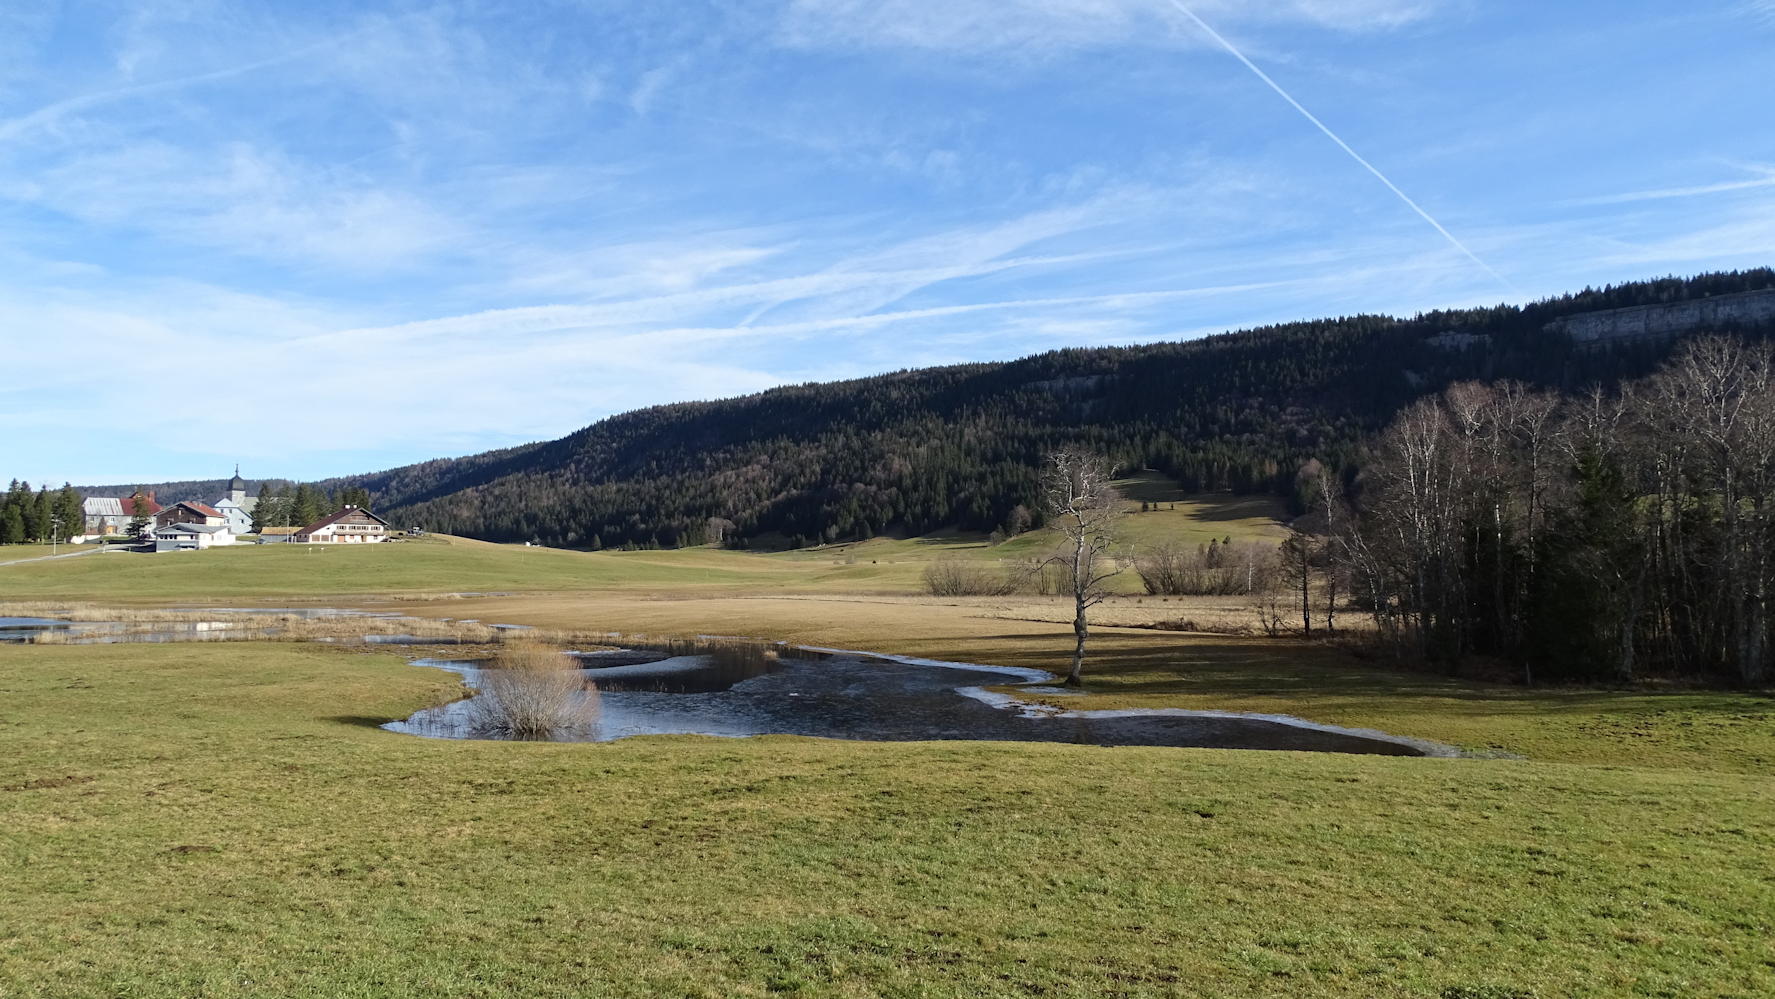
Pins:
x: 917, y: 449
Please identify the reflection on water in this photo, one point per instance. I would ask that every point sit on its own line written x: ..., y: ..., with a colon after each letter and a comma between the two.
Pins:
x: 839, y: 695
x: 190, y: 624
x: 17, y: 630
x: 24, y: 630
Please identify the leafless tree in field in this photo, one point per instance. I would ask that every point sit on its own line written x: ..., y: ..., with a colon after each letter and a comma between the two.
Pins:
x: 717, y: 530
x: 1298, y: 554
x: 1084, y: 509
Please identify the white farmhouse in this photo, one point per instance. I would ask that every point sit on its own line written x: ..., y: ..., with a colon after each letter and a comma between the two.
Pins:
x: 352, y: 525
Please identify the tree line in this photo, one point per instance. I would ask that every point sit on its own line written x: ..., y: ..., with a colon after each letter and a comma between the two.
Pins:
x: 40, y: 516
x: 1600, y: 535
x: 285, y: 505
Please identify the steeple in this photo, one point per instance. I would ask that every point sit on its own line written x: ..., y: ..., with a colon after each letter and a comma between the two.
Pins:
x: 237, y: 486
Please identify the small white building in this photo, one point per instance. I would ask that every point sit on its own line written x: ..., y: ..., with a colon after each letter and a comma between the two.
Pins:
x: 191, y: 537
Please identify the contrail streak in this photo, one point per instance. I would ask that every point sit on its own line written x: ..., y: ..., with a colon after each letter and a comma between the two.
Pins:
x: 13, y: 128
x: 1341, y: 144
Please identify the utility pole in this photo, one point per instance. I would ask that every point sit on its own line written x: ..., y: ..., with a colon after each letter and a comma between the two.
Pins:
x: 55, y: 534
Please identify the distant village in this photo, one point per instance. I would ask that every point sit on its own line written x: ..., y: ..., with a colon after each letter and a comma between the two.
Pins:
x: 188, y: 525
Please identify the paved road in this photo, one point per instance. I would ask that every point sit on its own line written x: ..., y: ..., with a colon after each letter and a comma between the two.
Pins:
x: 46, y: 558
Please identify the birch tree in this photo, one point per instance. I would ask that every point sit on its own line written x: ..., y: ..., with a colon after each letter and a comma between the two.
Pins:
x: 1084, y: 508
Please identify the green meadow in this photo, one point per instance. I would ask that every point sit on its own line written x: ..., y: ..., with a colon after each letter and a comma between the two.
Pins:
x: 226, y: 819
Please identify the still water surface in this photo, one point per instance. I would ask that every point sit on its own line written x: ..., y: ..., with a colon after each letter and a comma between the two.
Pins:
x: 849, y: 695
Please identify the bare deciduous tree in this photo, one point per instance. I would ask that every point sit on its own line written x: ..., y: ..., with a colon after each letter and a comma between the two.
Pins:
x: 718, y: 530
x: 1299, y: 554
x: 1084, y: 508
x: 1593, y: 536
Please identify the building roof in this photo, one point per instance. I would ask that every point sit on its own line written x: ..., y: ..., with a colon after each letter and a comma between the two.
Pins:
x: 207, y: 511
x: 102, y: 506
x: 237, y: 482
x: 279, y: 532
x: 192, y: 529
x: 150, y: 508
x: 333, y: 518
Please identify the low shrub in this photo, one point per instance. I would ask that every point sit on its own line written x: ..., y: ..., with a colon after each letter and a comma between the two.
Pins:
x: 533, y: 691
x: 955, y: 577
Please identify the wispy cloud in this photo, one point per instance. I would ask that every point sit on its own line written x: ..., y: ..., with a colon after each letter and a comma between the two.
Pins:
x: 653, y: 83
x: 49, y: 115
x: 1694, y: 191
x: 241, y: 199
x: 1036, y: 27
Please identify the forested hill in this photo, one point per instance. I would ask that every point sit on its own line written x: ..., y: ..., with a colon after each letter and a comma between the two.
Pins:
x: 959, y: 446
x: 166, y: 493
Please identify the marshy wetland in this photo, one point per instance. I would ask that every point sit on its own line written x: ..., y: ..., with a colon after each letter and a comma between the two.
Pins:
x: 735, y: 690
x: 716, y: 687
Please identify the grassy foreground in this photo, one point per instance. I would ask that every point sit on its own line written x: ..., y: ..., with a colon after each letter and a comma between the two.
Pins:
x: 225, y: 820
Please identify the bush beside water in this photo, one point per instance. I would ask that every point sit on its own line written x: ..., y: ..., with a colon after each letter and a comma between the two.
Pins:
x: 534, y: 691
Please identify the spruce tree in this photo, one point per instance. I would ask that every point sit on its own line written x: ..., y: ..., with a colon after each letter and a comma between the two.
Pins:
x: 12, y: 525
x: 306, y: 506
x: 139, y: 522
x: 262, y: 510
x: 41, y: 523
x: 27, y: 508
x: 69, y: 509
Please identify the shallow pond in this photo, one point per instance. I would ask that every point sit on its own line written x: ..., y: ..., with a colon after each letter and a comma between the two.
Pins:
x: 850, y: 695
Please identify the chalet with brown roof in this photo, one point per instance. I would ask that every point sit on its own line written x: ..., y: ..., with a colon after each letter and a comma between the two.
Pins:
x: 189, y: 513
x: 352, y: 525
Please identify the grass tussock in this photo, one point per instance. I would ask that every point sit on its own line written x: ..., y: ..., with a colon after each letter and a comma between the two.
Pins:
x: 534, y: 691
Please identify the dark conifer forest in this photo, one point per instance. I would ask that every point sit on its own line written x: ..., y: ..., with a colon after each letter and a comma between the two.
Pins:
x: 914, y: 451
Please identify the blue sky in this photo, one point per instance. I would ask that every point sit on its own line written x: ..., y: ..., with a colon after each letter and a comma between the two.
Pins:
x: 326, y: 238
